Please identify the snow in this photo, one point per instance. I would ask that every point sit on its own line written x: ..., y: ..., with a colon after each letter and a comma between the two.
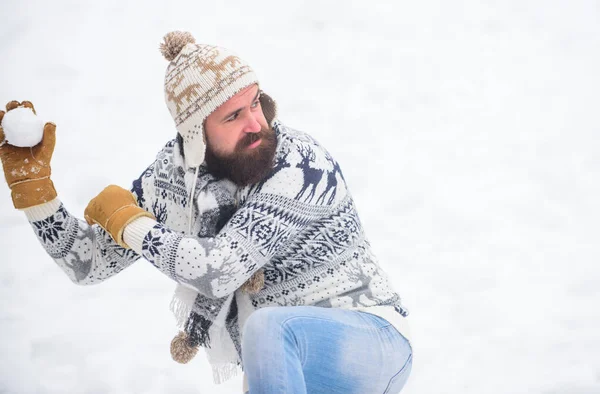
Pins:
x: 22, y: 127
x: 467, y: 131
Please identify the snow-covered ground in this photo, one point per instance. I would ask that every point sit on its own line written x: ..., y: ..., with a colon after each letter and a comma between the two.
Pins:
x: 469, y: 133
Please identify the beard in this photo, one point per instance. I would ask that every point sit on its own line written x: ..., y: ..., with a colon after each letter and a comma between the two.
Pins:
x: 244, y: 166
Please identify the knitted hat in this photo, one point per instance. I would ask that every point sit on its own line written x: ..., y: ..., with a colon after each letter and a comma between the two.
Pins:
x: 199, y: 79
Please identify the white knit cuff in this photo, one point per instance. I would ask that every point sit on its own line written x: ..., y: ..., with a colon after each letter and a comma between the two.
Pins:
x: 136, y: 231
x: 42, y: 211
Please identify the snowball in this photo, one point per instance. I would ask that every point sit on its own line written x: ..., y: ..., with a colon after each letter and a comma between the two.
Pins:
x: 22, y: 127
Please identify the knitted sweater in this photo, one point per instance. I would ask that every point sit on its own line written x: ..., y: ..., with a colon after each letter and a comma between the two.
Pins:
x: 299, y: 225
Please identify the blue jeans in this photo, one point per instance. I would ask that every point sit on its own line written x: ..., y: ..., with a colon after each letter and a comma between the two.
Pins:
x: 306, y: 349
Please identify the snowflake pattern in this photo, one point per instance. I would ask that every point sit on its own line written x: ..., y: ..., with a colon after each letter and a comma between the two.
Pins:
x: 309, y: 248
x: 48, y: 229
x: 152, y: 244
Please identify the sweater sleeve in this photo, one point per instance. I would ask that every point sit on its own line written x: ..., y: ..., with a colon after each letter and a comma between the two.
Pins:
x: 213, y: 266
x: 87, y: 254
x: 217, y: 266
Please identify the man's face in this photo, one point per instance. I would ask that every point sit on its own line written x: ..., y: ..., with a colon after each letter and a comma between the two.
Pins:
x: 240, y: 144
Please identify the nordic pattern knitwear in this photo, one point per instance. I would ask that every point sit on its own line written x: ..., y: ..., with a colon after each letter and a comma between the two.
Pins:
x: 300, y: 225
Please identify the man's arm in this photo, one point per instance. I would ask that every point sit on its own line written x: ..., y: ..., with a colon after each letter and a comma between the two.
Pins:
x: 213, y: 266
x: 87, y: 254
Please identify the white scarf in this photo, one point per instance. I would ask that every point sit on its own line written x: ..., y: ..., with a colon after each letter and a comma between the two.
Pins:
x: 221, y: 354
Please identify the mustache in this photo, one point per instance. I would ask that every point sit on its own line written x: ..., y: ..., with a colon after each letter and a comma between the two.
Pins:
x: 244, y: 166
x: 250, y: 138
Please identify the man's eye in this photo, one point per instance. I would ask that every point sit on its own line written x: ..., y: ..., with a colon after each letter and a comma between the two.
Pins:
x: 255, y: 104
x: 232, y: 118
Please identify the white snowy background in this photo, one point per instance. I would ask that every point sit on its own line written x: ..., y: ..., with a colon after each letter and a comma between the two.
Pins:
x: 468, y: 131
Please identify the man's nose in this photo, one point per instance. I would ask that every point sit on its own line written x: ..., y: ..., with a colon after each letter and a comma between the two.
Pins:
x: 252, y: 125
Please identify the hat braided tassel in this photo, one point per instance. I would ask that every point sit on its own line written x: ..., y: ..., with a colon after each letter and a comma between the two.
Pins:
x: 182, y: 350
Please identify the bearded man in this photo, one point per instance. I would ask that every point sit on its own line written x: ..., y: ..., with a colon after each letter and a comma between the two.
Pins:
x: 254, y: 222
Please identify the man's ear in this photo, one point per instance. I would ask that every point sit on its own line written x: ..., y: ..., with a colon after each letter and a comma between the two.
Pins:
x: 269, y: 107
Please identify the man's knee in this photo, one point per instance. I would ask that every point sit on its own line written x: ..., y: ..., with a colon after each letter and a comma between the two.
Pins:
x: 260, y: 322
x: 264, y: 326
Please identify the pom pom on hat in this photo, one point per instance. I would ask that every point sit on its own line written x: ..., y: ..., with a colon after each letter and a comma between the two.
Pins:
x: 174, y: 42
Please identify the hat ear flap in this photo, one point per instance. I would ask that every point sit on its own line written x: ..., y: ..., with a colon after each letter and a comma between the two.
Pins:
x: 269, y: 108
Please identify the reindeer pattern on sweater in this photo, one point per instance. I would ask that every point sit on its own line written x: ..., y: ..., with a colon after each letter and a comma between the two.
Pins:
x: 299, y: 224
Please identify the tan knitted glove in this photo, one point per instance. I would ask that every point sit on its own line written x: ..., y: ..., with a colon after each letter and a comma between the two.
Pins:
x: 113, y: 209
x: 27, y: 170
